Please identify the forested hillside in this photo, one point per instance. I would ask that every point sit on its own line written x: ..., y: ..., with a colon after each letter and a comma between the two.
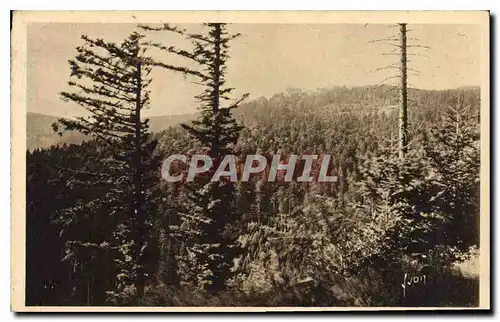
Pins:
x: 361, y: 100
x: 104, y: 227
x: 292, y: 122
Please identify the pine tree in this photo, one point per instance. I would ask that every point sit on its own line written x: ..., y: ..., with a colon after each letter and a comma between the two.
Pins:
x: 111, y: 84
x: 213, y: 204
x: 208, y: 247
x: 454, y: 155
x: 432, y: 194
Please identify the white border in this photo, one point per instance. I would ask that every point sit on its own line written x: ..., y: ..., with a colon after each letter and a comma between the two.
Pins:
x: 182, y: 5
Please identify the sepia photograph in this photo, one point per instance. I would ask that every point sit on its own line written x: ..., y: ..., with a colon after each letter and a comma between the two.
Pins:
x: 250, y: 161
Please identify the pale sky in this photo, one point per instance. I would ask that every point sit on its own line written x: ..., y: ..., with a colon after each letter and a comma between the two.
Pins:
x: 266, y: 59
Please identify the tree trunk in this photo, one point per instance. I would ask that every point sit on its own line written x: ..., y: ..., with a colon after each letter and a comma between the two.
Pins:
x: 403, y: 95
x: 215, y: 149
x: 139, y: 214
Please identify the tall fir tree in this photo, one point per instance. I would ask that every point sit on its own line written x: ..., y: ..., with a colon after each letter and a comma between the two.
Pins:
x: 112, y: 82
x: 208, y: 247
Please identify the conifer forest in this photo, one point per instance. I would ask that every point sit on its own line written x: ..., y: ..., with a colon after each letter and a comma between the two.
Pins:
x: 396, y: 227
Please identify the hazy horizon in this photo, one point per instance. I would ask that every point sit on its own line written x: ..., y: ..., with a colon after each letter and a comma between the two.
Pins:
x: 268, y: 97
x: 265, y: 60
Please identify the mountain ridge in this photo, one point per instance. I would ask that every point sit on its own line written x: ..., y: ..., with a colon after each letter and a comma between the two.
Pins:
x: 366, y: 99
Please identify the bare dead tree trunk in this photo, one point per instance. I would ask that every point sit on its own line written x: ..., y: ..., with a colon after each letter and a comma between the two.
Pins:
x: 458, y: 110
x: 403, y: 94
x: 215, y: 149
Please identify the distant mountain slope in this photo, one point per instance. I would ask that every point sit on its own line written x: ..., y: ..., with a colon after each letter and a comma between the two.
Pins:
x: 367, y: 99
x: 39, y: 132
x: 160, y: 123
